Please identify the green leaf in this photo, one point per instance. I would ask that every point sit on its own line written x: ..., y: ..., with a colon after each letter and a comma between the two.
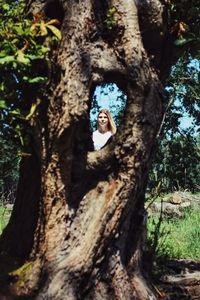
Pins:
x: 18, y: 129
x: 7, y: 59
x: 15, y: 41
x: 32, y: 110
x: 38, y: 79
x: 55, y: 31
x: 21, y: 57
x: 43, y: 30
x: 44, y: 49
x: 33, y: 56
x: 111, y: 11
x: 182, y: 42
x: 3, y: 104
x: 2, y: 86
x: 18, y: 29
x: 3, y: 53
x: 15, y: 112
x: 6, y: 6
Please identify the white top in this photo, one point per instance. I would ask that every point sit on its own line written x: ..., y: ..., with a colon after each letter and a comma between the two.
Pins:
x: 100, y: 139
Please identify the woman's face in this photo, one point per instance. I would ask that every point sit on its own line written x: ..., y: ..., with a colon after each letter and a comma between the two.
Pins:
x: 103, y: 120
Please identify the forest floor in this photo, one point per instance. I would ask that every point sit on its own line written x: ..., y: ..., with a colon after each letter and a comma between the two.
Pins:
x: 174, y: 234
x: 176, y: 242
x: 179, y: 280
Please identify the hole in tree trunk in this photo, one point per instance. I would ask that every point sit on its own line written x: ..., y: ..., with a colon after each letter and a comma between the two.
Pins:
x: 108, y: 101
x: 107, y: 96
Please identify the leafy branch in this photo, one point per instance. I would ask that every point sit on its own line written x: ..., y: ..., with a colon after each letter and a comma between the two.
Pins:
x: 23, y: 61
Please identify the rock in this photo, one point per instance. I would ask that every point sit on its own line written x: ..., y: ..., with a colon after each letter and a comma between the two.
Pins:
x: 167, y: 208
x: 9, y: 206
x: 187, y: 279
x: 173, y: 205
x: 176, y: 198
x: 184, y: 281
x: 186, y: 196
x: 185, y: 204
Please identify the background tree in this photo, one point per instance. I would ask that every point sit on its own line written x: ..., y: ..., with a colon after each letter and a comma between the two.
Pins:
x: 176, y: 164
x: 79, y: 216
x: 9, y: 164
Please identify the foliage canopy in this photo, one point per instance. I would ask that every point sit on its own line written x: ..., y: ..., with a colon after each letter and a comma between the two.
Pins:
x: 25, y: 41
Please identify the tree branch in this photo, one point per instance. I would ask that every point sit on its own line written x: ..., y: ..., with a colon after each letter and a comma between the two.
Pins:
x: 151, y: 14
x: 102, y: 159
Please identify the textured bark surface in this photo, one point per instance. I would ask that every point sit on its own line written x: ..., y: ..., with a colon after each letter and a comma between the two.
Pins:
x: 85, y: 210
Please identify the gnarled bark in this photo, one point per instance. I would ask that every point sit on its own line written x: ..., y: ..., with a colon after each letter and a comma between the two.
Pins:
x: 90, y: 232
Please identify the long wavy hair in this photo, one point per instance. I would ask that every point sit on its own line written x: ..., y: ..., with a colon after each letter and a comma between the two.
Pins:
x: 111, y: 123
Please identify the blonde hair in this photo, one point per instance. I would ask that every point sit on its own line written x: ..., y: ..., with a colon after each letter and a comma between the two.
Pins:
x: 111, y: 123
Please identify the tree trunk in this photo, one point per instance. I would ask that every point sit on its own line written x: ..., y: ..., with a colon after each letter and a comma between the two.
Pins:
x: 84, y: 211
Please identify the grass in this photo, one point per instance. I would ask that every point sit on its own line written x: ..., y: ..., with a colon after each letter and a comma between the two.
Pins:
x: 4, y: 216
x: 197, y: 194
x: 178, y: 238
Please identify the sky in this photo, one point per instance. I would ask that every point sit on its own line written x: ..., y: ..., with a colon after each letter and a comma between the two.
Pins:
x: 109, y: 97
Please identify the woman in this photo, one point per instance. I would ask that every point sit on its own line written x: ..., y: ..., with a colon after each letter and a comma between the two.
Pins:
x: 105, y: 129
